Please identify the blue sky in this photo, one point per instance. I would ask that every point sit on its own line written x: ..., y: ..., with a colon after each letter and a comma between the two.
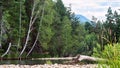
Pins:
x: 89, y: 8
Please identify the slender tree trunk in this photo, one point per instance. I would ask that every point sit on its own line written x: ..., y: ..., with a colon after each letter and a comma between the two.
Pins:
x: 32, y: 21
x: 7, y: 50
x: 38, y: 31
x: 28, y: 34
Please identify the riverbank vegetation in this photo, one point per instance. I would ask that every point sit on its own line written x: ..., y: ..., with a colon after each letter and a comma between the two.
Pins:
x: 46, y: 28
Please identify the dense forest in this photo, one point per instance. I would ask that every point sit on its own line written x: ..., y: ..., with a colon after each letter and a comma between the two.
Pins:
x: 46, y: 28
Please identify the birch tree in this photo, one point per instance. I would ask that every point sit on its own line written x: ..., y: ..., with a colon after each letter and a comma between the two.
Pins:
x: 7, y: 50
x: 34, y: 16
x: 38, y: 31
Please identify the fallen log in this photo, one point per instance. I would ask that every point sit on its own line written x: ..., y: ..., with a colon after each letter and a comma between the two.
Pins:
x: 89, y: 58
x: 77, y: 58
x: 61, y: 58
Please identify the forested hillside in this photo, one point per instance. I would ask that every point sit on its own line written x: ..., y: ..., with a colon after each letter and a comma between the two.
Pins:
x: 46, y: 28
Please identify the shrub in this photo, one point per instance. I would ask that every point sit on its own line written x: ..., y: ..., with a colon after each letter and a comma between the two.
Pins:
x: 111, y: 53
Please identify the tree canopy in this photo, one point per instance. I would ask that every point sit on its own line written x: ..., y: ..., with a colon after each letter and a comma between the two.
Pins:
x: 47, y: 28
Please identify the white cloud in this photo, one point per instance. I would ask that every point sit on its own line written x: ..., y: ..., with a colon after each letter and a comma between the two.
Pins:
x: 89, y: 8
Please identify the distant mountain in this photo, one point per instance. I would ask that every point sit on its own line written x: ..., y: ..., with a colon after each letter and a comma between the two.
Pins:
x: 82, y: 18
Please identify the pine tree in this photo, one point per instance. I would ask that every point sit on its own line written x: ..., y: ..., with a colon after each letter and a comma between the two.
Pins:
x: 117, y: 26
x: 110, y: 25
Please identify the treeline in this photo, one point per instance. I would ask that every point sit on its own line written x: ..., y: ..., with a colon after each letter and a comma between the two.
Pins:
x: 46, y: 28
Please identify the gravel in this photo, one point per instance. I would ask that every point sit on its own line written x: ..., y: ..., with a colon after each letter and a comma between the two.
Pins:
x: 50, y: 66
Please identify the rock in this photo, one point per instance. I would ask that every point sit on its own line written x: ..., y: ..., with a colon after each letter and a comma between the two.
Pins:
x: 50, y: 66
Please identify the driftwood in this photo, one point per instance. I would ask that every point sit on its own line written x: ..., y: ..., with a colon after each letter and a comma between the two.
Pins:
x: 78, y: 58
x: 61, y: 58
x: 71, y: 60
x: 84, y: 57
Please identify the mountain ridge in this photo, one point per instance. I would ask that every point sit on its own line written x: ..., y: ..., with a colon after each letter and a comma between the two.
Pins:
x: 82, y: 18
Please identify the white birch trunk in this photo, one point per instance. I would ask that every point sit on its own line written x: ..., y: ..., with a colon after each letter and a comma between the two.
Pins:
x: 38, y: 31
x: 28, y: 34
x: 32, y: 21
x: 7, y: 50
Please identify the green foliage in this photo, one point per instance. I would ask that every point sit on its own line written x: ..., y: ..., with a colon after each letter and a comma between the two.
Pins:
x: 111, y: 53
x: 89, y: 27
x: 48, y: 62
x: 97, y: 51
x: 112, y: 26
x: 60, y: 32
x: 46, y: 30
x: 58, y: 6
x: 91, y: 42
x: 109, y: 15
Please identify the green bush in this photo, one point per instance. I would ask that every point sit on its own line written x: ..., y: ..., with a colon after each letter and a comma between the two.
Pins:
x: 111, y: 53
